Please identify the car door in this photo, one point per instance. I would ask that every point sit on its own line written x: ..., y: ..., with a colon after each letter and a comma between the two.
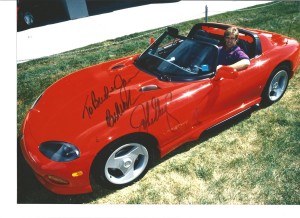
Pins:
x: 228, y: 96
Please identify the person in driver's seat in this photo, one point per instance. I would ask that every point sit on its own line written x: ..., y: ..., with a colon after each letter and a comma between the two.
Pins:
x: 231, y: 54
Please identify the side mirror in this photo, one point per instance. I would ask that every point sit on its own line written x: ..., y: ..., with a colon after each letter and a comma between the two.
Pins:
x: 226, y: 73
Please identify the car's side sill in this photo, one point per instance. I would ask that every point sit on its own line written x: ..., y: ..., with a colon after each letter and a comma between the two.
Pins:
x: 235, y: 115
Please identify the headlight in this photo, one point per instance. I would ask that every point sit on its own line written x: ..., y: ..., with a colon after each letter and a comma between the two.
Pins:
x: 59, y: 151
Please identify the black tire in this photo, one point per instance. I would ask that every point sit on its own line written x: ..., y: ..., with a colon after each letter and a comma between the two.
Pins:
x: 122, y: 162
x: 276, y: 85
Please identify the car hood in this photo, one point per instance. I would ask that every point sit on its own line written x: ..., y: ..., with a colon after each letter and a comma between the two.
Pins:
x: 89, y: 97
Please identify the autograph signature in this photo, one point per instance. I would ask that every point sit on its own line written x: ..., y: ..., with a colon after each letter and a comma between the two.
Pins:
x: 154, y: 108
x: 151, y: 111
x: 120, y: 107
x: 94, y: 101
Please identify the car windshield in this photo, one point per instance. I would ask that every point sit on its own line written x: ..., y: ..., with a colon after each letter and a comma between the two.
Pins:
x: 177, y: 58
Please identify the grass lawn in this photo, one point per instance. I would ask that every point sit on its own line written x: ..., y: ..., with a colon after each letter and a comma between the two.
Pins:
x: 254, y: 159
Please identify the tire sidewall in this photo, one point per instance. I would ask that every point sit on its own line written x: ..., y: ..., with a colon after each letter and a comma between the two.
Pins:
x: 266, y: 101
x: 98, y: 166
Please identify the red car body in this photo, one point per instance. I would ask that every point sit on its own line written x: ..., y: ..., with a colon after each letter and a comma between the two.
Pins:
x: 97, y: 106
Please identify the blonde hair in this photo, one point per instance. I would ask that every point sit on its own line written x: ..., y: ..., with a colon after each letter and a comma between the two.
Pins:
x: 232, y: 30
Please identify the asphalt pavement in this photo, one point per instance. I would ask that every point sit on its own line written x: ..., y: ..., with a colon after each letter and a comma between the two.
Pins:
x: 64, y: 36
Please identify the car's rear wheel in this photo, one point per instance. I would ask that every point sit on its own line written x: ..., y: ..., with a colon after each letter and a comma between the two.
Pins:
x: 122, y: 163
x: 276, y: 85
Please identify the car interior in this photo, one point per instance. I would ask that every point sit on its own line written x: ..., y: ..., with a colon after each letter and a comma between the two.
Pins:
x: 214, y: 35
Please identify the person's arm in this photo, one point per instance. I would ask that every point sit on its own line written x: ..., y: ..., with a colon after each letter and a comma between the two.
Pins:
x: 241, y: 65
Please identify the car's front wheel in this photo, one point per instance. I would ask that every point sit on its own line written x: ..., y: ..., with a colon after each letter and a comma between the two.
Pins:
x: 276, y: 85
x: 122, y: 163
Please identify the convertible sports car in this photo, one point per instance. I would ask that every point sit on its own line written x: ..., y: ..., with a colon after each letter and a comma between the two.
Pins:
x: 110, y: 122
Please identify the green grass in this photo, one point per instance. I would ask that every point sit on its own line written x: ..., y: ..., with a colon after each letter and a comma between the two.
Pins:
x: 251, y: 160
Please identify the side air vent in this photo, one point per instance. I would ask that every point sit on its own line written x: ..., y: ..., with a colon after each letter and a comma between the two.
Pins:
x: 117, y: 66
x: 148, y: 88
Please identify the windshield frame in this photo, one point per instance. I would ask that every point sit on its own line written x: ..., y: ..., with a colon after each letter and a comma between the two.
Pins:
x: 187, y: 75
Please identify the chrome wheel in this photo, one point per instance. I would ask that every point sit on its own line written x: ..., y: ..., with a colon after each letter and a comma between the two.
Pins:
x: 126, y: 163
x: 278, y: 85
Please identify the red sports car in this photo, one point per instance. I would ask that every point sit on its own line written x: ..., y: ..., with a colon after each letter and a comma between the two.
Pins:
x: 109, y: 123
